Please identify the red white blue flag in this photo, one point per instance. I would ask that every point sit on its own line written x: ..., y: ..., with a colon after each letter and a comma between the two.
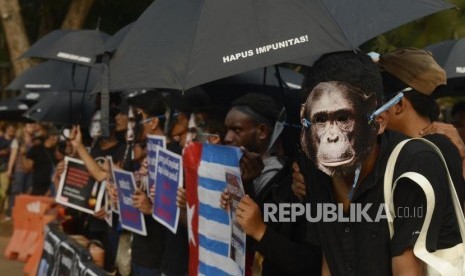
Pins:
x: 209, y: 226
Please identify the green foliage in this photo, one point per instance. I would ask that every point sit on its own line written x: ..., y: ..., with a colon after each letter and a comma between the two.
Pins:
x: 445, y: 25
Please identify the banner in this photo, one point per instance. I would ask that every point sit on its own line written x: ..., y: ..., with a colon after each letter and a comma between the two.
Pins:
x: 236, y: 193
x: 153, y: 143
x: 77, y: 189
x: 168, y: 179
x: 131, y: 218
x: 209, y: 226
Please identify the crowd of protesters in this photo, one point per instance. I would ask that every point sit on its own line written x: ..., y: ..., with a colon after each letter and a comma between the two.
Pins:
x: 272, y: 170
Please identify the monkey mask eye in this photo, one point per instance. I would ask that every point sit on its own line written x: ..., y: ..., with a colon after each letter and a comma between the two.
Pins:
x: 306, y: 123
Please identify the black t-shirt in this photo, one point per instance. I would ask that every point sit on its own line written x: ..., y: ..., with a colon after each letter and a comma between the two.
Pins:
x: 365, y: 248
x: 176, y: 254
x: 4, y: 145
x: 147, y: 251
x: 283, y: 246
x: 44, y: 163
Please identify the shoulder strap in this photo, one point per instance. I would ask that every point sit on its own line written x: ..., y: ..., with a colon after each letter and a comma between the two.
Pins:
x: 420, y: 246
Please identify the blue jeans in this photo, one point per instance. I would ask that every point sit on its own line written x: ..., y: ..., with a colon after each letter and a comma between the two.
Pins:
x: 21, y: 184
x: 138, y: 270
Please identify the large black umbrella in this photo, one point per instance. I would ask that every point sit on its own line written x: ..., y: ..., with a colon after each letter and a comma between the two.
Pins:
x: 450, y: 55
x: 56, y: 76
x: 55, y: 108
x: 12, y: 109
x: 264, y: 80
x: 180, y: 44
x: 79, y: 47
x: 115, y: 40
x: 75, y: 46
x: 32, y: 97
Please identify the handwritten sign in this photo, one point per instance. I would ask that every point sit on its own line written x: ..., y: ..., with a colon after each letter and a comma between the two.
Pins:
x: 238, y: 236
x: 168, y: 179
x: 77, y: 189
x: 131, y: 218
x: 153, y: 143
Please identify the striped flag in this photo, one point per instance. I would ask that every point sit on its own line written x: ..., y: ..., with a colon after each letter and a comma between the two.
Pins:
x: 209, y: 225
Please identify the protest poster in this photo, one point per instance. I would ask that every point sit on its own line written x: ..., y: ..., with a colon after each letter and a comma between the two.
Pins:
x: 168, y: 179
x: 108, y: 209
x: 131, y: 218
x: 77, y: 189
x: 238, y: 236
x: 111, y: 181
x: 153, y: 143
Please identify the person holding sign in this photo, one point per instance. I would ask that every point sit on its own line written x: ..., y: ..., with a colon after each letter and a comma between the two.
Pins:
x: 266, y: 175
x: 95, y: 226
x: 147, y: 251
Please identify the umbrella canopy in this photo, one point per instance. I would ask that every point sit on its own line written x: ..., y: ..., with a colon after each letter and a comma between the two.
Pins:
x: 450, y: 55
x: 179, y: 44
x: 75, y: 46
x: 12, y: 109
x: 32, y: 97
x: 62, y: 108
x: 115, y: 40
x: 56, y: 76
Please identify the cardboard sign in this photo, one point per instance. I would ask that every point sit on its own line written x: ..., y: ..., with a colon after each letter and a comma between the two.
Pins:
x: 77, y: 189
x: 238, y: 236
x: 131, y: 218
x: 153, y: 143
x: 168, y: 179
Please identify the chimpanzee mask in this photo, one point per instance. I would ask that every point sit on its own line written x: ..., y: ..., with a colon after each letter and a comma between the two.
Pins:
x: 337, y: 135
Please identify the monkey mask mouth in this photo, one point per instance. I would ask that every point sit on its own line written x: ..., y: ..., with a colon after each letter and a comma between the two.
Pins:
x: 337, y: 163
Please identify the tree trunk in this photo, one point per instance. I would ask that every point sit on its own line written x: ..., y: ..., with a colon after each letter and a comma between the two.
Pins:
x: 15, y: 33
x: 77, y: 14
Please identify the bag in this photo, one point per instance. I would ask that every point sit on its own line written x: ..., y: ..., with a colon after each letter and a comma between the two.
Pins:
x: 123, y: 254
x: 449, y: 261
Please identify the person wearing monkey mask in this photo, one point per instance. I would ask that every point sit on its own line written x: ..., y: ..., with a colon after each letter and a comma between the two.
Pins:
x: 350, y: 147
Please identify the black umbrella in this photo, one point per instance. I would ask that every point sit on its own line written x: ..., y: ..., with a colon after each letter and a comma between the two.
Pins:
x: 450, y: 55
x: 12, y: 109
x: 264, y: 80
x: 55, y: 108
x: 180, y: 44
x: 75, y: 46
x: 115, y: 40
x: 32, y: 97
x: 56, y: 76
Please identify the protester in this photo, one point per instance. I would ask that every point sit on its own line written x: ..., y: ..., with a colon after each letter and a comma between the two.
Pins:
x: 458, y: 116
x: 147, y: 251
x: 21, y: 178
x: 266, y: 175
x: 416, y: 114
x: 184, y: 105
x: 5, y: 142
x: 354, y: 248
x: 41, y: 160
x: 207, y: 125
